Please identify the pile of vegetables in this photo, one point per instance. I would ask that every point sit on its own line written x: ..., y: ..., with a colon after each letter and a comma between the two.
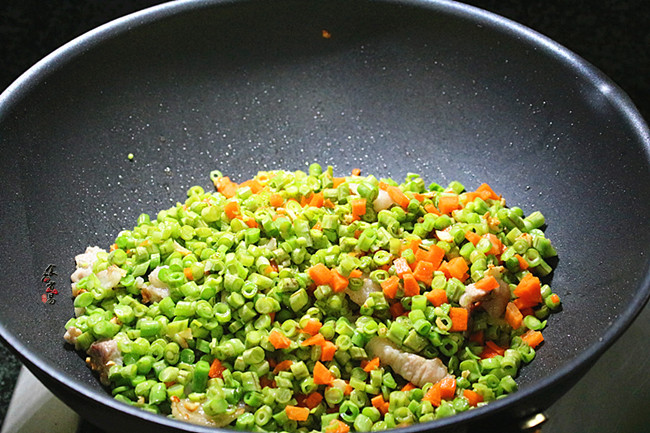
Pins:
x: 302, y: 301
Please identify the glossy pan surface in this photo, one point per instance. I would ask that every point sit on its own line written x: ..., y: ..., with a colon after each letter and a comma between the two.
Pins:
x: 390, y: 87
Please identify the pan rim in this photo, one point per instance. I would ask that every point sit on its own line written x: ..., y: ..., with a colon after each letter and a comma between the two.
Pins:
x: 614, y: 95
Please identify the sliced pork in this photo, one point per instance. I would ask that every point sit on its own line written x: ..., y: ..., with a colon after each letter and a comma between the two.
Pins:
x: 360, y: 296
x: 193, y: 412
x: 102, y: 356
x: 108, y: 278
x: 414, y: 368
x: 494, y: 301
x: 156, y: 290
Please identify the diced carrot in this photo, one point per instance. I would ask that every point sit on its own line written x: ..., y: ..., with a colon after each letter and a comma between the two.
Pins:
x: 356, y: 171
x: 389, y: 286
x: 322, y: 376
x: 433, y: 395
x: 188, y: 273
x: 348, y: 389
x: 276, y: 200
x: 337, y: 181
x: 358, y: 206
x: 528, y: 292
x: 532, y: 338
x: 447, y: 388
x: 555, y: 298
x: 419, y: 197
x: 337, y: 426
x: 253, y: 184
x: 485, y: 190
x: 368, y: 366
x: 250, y: 222
x: 320, y: 274
x: 379, y: 403
x: 513, y: 316
x: 477, y: 337
x: 523, y: 264
x: 279, y: 340
x: 473, y: 397
x: 397, y: 309
x: 282, y: 366
x: 300, y: 399
x: 495, y: 347
x: 469, y: 197
x: 443, y: 268
x: 472, y: 237
x: 432, y: 254
x: 487, y: 284
x: 411, y: 286
x: 265, y: 382
x: 430, y: 208
x: 409, y: 386
x: 448, y: 203
x: 424, y: 272
x: 316, y: 340
x: 231, y: 209
x: 296, y: 413
x: 312, y: 327
x: 328, y: 350
x: 317, y: 200
x: 356, y: 274
x: 216, y: 369
x: 491, y: 349
x: 401, y: 266
x: 412, y: 245
x: 328, y: 203
x: 226, y: 187
x: 113, y: 247
x: 528, y: 311
x: 398, y: 196
x: 457, y: 267
x: 459, y: 317
x: 338, y: 283
x: 304, y: 200
x: 437, y: 297
x: 497, y: 245
x: 313, y: 399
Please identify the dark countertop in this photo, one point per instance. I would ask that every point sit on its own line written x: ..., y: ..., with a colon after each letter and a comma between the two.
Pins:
x: 612, y: 35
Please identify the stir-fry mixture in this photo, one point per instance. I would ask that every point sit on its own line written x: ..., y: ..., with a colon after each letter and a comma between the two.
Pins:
x: 302, y: 301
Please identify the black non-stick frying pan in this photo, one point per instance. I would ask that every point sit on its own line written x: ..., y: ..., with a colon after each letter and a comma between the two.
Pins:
x: 431, y: 87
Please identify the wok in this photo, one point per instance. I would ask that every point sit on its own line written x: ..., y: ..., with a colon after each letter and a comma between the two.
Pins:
x: 390, y: 87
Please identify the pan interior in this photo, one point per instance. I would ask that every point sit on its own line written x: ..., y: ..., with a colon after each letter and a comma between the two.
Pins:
x: 387, y: 87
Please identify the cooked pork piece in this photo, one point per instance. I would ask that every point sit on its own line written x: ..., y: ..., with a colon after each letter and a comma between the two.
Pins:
x: 414, y: 368
x: 359, y: 296
x: 193, y: 412
x: 108, y: 278
x: 71, y: 335
x: 156, y: 290
x: 494, y: 301
x: 102, y: 356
